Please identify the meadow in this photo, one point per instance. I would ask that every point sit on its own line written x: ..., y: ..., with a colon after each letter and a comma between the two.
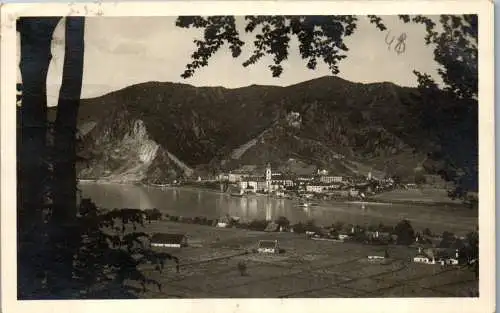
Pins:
x: 306, y: 268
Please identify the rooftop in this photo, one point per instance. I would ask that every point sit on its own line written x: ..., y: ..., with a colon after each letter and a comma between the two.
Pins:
x: 268, y: 244
x: 167, y: 238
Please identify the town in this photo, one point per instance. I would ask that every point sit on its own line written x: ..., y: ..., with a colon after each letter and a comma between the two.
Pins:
x: 248, y: 181
x: 318, y: 184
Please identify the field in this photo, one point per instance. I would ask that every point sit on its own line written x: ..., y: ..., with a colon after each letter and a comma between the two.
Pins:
x: 306, y: 268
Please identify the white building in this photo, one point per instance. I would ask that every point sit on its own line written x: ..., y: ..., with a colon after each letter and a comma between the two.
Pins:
x: 322, y: 172
x: 268, y: 246
x: 315, y: 188
x: 331, y: 179
x: 422, y: 258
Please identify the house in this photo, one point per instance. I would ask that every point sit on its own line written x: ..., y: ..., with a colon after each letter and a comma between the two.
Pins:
x: 449, y: 261
x: 427, y: 256
x: 422, y: 258
x: 314, y: 188
x: 448, y: 256
x: 268, y: 246
x: 353, y: 193
x: 322, y: 172
x: 165, y: 240
x: 378, y: 235
x: 224, y: 222
x: 305, y: 178
x: 257, y: 184
x: 280, y: 194
x: 237, y: 176
x: 281, y: 181
x: 343, y: 236
x: 330, y: 179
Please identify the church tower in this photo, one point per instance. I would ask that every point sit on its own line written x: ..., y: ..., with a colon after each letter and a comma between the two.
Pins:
x: 268, y: 177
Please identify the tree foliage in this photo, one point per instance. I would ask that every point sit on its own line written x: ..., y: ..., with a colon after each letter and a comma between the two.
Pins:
x: 405, y: 232
x: 62, y: 254
x: 282, y: 221
x: 455, y: 50
x: 109, y: 253
x: 455, y: 42
x: 321, y: 38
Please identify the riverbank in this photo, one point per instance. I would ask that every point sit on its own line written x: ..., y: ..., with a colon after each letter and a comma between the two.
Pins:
x: 427, y: 197
x: 306, y: 268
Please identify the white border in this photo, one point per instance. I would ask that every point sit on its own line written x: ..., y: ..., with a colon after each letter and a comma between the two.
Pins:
x: 483, y: 8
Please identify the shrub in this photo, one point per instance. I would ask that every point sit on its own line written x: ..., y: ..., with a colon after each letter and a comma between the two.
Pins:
x: 259, y: 225
x: 299, y: 228
x: 427, y: 232
x: 405, y: 233
x: 282, y: 221
x: 242, y: 268
x: 174, y: 218
x: 311, y: 226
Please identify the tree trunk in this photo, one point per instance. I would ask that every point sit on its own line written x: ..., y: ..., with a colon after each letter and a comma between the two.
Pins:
x: 65, y: 128
x: 36, y: 37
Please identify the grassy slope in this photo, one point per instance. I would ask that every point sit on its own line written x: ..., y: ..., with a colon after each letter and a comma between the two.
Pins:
x: 307, y: 269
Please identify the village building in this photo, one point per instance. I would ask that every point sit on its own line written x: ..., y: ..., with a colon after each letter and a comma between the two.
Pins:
x: 343, y: 236
x: 305, y: 178
x: 316, y: 188
x: 322, y: 172
x: 281, y: 182
x: 268, y: 246
x: 376, y: 257
x: 378, y: 235
x: 223, y: 177
x: 330, y: 179
x: 257, y: 184
x: 166, y: 240
x: 425, y: 256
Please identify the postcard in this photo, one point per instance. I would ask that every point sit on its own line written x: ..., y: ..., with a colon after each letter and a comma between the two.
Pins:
x: 239, y: 156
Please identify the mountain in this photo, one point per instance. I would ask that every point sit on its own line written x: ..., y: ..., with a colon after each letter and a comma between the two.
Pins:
x: 157, y: 131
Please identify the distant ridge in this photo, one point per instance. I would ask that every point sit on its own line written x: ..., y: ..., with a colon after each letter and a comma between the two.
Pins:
x: 383, y: 126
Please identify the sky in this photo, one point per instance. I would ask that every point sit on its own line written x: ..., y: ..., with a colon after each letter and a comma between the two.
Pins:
x: 122, y: 51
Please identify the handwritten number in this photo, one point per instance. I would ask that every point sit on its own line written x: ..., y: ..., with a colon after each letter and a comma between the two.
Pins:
x: 400, y: 46
x: 390, y: 42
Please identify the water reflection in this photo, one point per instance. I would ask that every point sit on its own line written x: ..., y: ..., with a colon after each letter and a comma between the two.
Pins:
x: 269, y: 214
x: 187, y: 202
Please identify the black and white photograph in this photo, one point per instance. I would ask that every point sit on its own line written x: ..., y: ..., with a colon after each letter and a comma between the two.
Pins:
x: 194, y: 153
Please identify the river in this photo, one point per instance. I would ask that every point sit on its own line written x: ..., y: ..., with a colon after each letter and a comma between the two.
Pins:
x: 210, y: 204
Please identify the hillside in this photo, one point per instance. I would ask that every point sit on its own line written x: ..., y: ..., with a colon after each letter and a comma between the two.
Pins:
x: 327, y: 122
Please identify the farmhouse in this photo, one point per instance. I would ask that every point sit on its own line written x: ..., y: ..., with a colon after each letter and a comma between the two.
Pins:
x: 376, y: 257
x: 422, y: 258
x: 426, y: 256
x: 343, y: 236
x: 165, y: 240
x: 268, y: 246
